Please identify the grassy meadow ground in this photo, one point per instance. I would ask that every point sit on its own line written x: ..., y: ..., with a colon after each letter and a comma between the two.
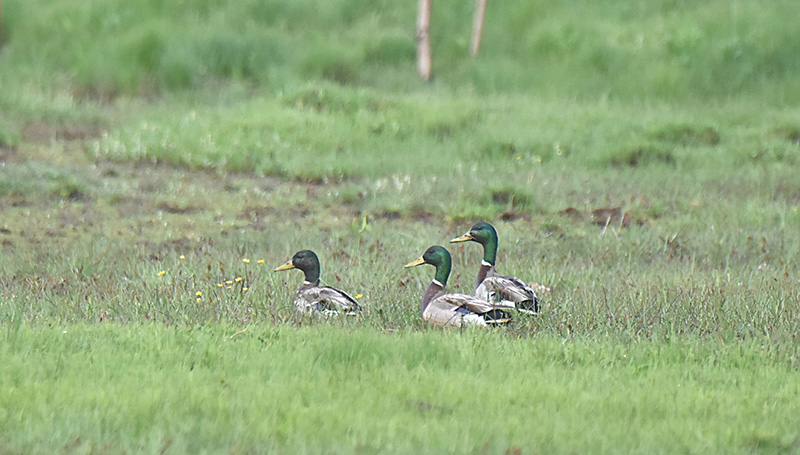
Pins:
x: 157, y: 161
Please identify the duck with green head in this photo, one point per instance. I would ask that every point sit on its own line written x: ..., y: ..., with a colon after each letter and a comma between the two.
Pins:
x: 313, y: 298
x: 505, y: 291
x: 443, y: 309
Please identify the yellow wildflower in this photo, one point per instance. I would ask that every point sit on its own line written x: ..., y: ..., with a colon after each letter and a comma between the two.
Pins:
x: 260, y: 261
x: 245, y: 288
x: 358, y: 296
x: 238, y: 279
x: 199, y: 293
x: 161, y: 273
x: 183, y: 257
x: 246, y: 261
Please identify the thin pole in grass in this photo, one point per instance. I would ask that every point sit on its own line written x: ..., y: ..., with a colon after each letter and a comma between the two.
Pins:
x: 423, y: 40
x: 477, y: 27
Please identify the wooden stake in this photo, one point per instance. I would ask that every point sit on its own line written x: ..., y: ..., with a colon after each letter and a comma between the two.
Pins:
x: 423, y: 40
x: 477, y: 27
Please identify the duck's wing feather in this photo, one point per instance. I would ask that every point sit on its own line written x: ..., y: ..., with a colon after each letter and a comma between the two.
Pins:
x: 508, y: 292
x: 461, y: 309
x: 504, y: 288
x: 326, y: 299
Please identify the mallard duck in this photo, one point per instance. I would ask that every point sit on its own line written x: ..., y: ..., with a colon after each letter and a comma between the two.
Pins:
x: 443, y: 309
x: 505, y: 291
x: 310, y: 296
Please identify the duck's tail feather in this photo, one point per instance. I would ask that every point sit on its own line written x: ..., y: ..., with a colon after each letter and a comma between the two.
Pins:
x: 529, y: 306
x: 497, y: 317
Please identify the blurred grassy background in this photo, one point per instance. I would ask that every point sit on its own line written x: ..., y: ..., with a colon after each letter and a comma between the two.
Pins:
x: 631, y: 50
x: 93, y: 61
x: 169, y: 124
x: 252, y: 114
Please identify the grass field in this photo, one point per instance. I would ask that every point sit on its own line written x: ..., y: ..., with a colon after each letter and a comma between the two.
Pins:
x: 157, y: 162
x: 150, y: 388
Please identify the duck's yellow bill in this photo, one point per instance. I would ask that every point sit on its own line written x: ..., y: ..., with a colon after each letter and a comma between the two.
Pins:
x: 415, y: 263
x: 288, y: 266
x: 464, y: 238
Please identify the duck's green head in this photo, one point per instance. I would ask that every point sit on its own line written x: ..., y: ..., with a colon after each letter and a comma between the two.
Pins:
x: 438, y: 257
x: 485, y: 234
x: 306, y: 261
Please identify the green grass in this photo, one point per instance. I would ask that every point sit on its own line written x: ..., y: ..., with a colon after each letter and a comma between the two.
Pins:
x: 146, y: 388
x: 148, y: 149
x: 101, y: 50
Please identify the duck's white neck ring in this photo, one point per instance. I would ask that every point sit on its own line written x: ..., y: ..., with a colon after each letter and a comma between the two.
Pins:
x: 437, y: 283
x: 486, y: 264
x: 307, y: 282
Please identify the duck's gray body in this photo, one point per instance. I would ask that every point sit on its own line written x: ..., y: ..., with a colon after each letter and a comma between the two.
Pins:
x: 505, y: 291
x: 326, y: 300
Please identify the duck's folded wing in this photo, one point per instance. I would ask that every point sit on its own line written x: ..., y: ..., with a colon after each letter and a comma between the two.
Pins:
x: 460, y: 309
x: 456, y: 302
x: 330, y: 299
x: 498, y: 288
x: 454, y: 309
